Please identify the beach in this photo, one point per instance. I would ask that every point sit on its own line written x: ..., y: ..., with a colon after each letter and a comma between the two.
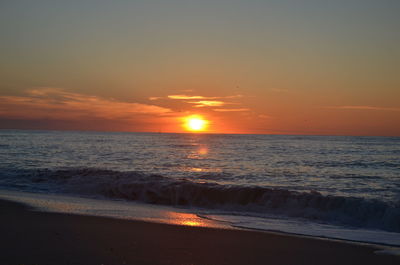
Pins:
x: 33, y: 237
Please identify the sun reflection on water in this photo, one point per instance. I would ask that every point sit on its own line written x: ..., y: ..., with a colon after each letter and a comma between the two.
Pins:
x: 200, y: 153
x: 203, y: 151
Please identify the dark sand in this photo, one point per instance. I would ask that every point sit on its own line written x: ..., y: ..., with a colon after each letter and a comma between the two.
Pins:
x: 28, y: 237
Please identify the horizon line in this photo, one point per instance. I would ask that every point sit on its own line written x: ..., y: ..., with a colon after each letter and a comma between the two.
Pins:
x: 195, y: 133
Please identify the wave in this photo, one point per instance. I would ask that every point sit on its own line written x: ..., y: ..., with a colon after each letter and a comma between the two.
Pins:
x: 157, y: 189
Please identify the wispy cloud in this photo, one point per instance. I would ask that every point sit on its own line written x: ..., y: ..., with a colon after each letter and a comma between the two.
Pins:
x: 234, y: 96
x: 208, y: 103
x: 361, y: 107
x: 186, y: 97
x: 232, y: 110
x: 199, y: 101
x: 205, y: 101
x: 55, y: 103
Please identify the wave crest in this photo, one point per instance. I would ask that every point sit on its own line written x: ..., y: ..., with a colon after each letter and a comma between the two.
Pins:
x: 157, y: 189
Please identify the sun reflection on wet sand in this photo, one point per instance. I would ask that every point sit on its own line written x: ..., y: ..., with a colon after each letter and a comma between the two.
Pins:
x: 191, y: 223
x: 187, y: 219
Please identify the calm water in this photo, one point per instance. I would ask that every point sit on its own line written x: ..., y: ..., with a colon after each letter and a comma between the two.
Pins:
x: 352, y: 181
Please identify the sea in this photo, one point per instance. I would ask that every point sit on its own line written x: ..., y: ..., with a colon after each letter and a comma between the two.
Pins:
x: 335, y: 187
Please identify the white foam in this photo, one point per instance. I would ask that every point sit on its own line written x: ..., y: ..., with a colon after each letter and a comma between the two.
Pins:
x: 307, y: 228
x: 109, y: 208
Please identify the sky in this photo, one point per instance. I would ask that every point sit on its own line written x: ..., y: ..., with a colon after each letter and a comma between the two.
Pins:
x: 249, y: 66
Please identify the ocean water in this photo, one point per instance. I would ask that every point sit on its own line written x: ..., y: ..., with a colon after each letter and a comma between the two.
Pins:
x: 333, y: 186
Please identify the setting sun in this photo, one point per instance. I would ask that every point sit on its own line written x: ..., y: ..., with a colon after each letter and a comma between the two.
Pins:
x: 195, y: 123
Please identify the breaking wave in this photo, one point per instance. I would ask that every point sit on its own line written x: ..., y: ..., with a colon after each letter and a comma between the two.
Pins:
x: 157, y: 189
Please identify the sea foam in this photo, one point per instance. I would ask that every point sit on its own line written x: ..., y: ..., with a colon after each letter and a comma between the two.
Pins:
x: 157, y: 189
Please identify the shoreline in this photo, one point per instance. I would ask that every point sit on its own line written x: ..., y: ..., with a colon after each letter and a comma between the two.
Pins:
x: 128, y: 210
x: 32, y: 237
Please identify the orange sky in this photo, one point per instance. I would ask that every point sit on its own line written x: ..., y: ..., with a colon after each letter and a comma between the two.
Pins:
x: 54, y: 108
x: 265, y: 67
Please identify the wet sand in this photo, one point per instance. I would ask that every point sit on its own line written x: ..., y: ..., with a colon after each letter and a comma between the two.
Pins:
x: 29, y: 237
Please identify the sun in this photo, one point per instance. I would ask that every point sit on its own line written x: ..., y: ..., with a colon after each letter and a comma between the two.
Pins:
x: 195, y: 123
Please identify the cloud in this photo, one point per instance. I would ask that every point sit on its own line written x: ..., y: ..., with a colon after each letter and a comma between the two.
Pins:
x: 234, y: 96
x: 208, y: 103
x: 154, y: 98
x: 231, y: 110
x: 205, y: 101
x: 215, y: 101
x: 56, y: 103
x: 358, y: 107
x: 188, y: 97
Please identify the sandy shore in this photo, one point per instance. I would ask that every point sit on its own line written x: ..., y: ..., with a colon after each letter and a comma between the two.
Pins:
x: 28, y: 237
